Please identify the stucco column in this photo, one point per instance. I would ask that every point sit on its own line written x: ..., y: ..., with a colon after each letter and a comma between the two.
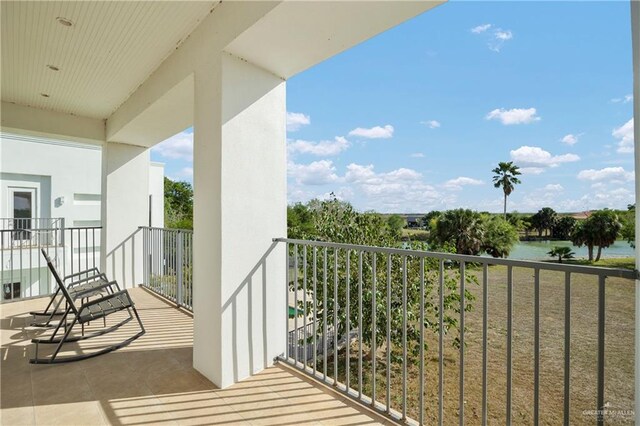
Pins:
x: 125, y: 206
x: 635, y: 48
x: 240, y: 205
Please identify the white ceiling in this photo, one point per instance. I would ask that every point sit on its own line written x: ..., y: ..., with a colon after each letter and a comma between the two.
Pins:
x: 111, y: 48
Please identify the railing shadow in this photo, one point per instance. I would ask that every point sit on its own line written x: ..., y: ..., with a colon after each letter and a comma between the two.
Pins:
x: 151, y: 381
x: 124, y: 261
x: 232, y: 302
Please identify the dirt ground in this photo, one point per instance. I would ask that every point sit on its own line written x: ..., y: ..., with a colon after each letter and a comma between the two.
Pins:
x: 619, y: 367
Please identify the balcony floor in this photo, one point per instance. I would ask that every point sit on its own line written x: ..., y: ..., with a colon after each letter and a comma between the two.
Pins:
x: 152, y: 381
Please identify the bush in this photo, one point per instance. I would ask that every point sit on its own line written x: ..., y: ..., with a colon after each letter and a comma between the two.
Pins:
x: 499, y: 236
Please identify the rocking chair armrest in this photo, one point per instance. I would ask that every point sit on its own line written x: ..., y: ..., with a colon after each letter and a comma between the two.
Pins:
x: 81, y: 273
x: 105, y: 285
x: 106, y: 298
x: 96, y: 277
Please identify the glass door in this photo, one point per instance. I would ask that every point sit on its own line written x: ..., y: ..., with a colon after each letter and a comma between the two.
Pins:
x: 23, y: 206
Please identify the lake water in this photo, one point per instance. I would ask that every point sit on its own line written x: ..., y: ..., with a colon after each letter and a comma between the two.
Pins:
x: 537, y: 250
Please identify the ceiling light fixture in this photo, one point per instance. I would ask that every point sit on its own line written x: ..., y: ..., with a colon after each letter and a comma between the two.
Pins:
x: 64, y: 21
x: 44, y: 95
x: 53, y: 68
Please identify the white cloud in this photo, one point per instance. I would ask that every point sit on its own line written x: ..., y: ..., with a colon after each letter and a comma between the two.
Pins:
x: 531, y: 170
x: 179, y: 146
x: 534, y: 160
x: 432, y: 124
x: 376, y: 132
x: 513, y: 116
x: 186, y: 172
x: 395, y: 191
x: 554, y: 187
x: 500, y: 34
x: 625, y: 134
x: 295, y: 120
x: 626, y: 99
x: 570, y: 139
x: 341, y: 194
x: 316, y: 173
x: 322, y: 148
x: 417, y: 155
x: 606, y: 174
x: 480, y: 28
x: 457, y: 183
x: 365, y: 175
x: 495, y: 39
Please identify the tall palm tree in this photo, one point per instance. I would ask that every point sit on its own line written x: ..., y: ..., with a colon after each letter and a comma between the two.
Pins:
x: 505, y: 177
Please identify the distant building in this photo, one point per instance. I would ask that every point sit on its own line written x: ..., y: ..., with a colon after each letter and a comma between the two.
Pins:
x: 413, y: 220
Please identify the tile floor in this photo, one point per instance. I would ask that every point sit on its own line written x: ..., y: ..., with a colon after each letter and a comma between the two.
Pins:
x: 151, y: 381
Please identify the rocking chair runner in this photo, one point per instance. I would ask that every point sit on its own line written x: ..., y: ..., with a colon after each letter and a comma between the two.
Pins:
x: 82, y: 285
x: 88, y: 311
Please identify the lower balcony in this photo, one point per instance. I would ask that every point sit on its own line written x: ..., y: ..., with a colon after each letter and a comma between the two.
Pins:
x: 152, y: 381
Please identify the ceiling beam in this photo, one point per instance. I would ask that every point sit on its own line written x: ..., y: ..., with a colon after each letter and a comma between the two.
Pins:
x: 39, y: 122
x: 199, y: 51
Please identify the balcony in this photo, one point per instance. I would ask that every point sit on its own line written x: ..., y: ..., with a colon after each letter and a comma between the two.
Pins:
x: 152, y: 381
x: 536, y: 341
x: 542, y: 343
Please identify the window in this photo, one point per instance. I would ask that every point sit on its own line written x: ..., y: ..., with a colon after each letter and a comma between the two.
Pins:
x: 11, y: 291
x: 23, y: 208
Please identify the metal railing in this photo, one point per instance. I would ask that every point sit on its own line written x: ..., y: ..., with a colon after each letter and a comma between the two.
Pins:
x: 308, y: 332
x: 30, y: 232
x: 23, y: 271
x: 168, y: 265
x: 392, y: 298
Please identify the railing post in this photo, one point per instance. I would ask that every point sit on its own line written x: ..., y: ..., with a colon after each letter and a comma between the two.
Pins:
x: 63, y: 247
x: 180, y: 266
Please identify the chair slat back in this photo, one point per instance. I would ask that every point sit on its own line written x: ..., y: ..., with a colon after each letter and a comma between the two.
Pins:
x: 59, y: 281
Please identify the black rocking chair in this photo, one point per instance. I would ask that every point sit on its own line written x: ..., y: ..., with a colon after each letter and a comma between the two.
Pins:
x: 81, y: 285
x: 86, y: 312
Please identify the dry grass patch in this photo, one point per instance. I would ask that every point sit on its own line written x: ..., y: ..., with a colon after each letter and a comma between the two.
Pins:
x: 619, y: 368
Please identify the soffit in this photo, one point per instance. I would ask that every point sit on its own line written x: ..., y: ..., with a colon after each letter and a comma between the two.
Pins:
x: 111, y: 48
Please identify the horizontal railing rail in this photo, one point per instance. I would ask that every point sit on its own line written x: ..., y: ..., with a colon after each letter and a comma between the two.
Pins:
x: 393, y: 297
x: 30, y: 232
x: 564, y: 267
x: 168, y: 263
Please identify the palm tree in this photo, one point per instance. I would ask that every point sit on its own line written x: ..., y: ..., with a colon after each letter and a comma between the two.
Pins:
x: 601, y: 229
x: 561, y: 253
x: 505, y: 177
x: 606, y: 227
x: 461, y: 227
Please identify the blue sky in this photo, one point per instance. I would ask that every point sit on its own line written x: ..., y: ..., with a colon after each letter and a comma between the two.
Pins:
x: 415, y: 119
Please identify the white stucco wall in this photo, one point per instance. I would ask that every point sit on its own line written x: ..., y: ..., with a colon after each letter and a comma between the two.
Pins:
x: 66, y: 176
x: 156, y: 192
x: 67, y: 180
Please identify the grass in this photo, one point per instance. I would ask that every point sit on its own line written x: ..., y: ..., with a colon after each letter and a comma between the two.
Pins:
x: 410, y: 232
x: 619, y: 373
x: 615, y: 262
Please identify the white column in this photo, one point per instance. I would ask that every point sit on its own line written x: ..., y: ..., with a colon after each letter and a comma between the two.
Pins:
x: 240, y: 205
x: 635, y: 48
x: 125, y: 206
